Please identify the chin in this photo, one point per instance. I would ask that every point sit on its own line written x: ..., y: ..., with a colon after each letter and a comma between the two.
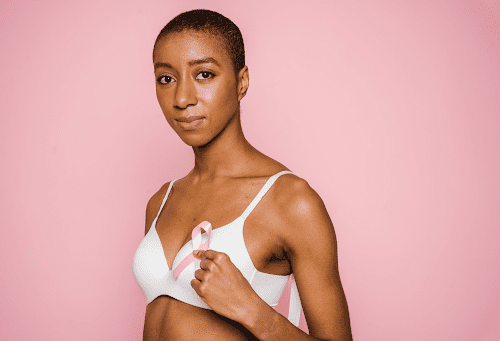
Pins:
x: 195, y: 141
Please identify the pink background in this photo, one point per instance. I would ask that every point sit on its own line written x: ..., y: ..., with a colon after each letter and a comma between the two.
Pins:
x: 389, y: 109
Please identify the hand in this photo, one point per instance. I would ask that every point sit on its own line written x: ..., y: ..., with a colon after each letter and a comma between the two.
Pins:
x: 222, y: 286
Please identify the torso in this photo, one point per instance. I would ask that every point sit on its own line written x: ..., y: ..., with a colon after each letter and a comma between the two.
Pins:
x: 220, y: 203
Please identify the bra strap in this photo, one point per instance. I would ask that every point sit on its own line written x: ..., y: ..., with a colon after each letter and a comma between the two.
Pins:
x: 262, y: 192
x: 295, y: 305
x: 164, y: 201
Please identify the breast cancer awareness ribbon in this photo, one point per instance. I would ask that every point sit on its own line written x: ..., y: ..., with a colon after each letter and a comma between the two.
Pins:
x: 197, y: 245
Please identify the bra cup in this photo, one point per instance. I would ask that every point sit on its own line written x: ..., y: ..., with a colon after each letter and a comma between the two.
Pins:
x: 269, y: 287
x: 230, y: 241
x: 149, y: 266
x: 181, y: 289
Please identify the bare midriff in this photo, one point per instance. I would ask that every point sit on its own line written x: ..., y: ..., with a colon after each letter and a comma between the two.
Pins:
x: 170, y: 319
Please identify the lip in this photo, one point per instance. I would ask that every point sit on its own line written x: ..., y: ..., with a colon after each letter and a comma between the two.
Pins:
x: 189, y: 118
x: 191, y: 123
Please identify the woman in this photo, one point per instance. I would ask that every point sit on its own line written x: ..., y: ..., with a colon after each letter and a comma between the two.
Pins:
x: 264, y: 221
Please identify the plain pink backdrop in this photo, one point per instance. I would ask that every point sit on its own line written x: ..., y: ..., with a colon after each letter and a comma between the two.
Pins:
x: 389, y: 109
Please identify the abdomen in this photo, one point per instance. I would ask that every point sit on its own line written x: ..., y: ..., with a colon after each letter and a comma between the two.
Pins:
x: 170, y: 319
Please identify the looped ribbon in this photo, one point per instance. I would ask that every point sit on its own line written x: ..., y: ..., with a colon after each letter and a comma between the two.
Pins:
x: 197, y: 245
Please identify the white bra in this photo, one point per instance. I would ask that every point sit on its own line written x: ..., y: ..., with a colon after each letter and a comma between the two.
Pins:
x: 153, y: 275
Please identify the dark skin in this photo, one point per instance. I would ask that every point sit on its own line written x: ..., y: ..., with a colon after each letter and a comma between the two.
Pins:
x: 289, y: 228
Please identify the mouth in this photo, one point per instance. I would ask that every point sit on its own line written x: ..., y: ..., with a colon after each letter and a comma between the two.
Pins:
x: 190, y: 123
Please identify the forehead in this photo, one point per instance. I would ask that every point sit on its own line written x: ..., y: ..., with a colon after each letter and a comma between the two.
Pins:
x: 191, y: 45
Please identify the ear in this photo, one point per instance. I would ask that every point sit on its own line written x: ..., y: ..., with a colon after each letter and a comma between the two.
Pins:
x: 243, y: 82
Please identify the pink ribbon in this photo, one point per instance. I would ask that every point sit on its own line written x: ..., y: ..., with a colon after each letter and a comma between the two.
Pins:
x: 196, y: 241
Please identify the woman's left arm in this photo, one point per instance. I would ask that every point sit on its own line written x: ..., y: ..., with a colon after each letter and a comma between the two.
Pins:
x: 311, y: 246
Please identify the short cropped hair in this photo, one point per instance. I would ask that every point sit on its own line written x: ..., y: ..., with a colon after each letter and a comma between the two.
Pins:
x: 213, y: 23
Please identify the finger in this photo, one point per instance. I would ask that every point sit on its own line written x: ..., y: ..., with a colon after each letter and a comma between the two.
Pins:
x: 203, y: 264
x: 200, y: 253
x: 200, y: 288
x: 208, y: 254
x: 199, y: 274
x: 207, y: 265
x: 195, y: 284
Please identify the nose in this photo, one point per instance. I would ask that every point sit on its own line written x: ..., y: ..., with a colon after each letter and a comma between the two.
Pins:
x: 185, y: 94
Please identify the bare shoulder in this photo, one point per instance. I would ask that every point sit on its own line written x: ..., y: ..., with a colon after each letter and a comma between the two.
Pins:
x: 302, y: 214
x: 154, y: 205
x: 297, y: 199
x: 295, y: 191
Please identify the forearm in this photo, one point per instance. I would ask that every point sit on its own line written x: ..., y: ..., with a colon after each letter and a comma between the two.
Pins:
x: 267, y: 324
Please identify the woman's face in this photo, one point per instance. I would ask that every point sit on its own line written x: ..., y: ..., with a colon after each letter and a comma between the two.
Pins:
x: 195, y: 85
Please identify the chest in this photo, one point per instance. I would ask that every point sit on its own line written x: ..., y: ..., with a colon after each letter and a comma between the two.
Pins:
x: 221, y: 206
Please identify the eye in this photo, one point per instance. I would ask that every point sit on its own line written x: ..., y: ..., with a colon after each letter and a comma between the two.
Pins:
x: 205, y: 75
x: 164, y: 79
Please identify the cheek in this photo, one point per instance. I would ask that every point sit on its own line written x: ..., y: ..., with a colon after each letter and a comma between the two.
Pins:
x: 218, y: 94
x: 158, y: 96
x: 164, y: 106
x: 208, y: 93
x: 162, y: 99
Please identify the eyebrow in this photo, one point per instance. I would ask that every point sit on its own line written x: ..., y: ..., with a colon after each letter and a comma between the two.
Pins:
x: 190, y: 63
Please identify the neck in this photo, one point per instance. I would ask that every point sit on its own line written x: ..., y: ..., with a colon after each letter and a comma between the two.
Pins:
x: 227, y: 155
